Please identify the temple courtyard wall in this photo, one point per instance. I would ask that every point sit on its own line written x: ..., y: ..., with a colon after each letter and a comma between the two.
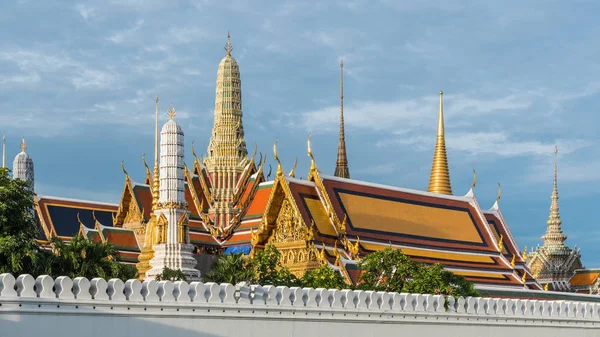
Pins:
x: 80, y: 307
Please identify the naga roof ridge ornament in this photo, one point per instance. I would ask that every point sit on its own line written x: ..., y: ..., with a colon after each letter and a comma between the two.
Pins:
x: 293, y: 171
x: 279, y: 169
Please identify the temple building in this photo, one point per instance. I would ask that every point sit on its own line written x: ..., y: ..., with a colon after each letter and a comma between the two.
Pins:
x: 223, y: 203
x: 554, y: 263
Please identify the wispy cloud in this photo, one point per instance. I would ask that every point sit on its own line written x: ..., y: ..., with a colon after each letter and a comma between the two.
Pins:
x: 409, y: 113
x: 126, y: 34
x: 86, y: 12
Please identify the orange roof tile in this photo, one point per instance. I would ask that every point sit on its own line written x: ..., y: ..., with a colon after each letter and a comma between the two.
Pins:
x: 585, y: 277
x: 259, y: 202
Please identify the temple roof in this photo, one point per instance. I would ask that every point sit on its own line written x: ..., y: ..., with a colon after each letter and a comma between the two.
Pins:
x: 58, y: 216
x: 585, y: 277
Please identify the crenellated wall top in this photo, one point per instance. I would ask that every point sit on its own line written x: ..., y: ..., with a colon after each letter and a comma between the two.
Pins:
x: 115, y: 292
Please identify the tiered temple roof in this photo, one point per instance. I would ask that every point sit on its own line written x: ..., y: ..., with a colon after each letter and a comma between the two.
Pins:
x: 323, y: 219
x: 65, y: 218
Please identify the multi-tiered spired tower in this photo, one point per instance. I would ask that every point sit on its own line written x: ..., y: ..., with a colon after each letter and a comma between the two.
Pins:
x: 172, y: 249
x: 554, y: 263
x: 227, y: 154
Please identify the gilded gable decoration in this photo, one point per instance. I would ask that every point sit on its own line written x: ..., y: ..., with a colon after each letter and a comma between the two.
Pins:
x: 314, y: 176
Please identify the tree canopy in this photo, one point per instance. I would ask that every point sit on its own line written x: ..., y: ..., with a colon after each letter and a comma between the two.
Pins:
x: 20, y: 252
x: 391, y: 270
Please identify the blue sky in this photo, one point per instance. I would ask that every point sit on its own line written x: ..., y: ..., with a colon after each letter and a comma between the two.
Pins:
x: 78, y: 79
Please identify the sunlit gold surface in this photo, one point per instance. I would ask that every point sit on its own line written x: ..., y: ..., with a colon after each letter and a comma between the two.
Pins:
x: 403, y: 218
x: 439, y: 181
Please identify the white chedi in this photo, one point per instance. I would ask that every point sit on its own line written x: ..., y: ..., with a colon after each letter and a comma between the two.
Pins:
x: 173, y: 249
x: 23, y: 166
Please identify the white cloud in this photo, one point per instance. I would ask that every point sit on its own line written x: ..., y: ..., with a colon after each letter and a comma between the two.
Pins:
x: 408, y: 113
x: 127, y: 34
x: 94, y: 79
x: 25, y: 79
x: 184, y: 35
x: 86, y: 12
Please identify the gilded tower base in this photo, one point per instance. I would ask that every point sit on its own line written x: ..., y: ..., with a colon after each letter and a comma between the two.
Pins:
x: 176, y: 256
x: 144, y: 265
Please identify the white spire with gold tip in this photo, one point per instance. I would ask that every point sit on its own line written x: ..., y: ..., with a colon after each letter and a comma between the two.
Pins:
x: 23, y: 166
x: 172, y: 249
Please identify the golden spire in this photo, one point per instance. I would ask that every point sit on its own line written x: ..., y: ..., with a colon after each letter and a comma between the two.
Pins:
x: 341, y: 166
x: 554, y: 237
x: 23, y: 145
x: 228, y: 47
x: 439, y: 181
x: 156, y: 178
x: 4, y: 151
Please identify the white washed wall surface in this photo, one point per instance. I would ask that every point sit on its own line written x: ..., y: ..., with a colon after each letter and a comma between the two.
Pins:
x: 65, y: 307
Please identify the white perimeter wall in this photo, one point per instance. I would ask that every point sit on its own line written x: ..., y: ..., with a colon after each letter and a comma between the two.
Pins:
x: 82, y: 308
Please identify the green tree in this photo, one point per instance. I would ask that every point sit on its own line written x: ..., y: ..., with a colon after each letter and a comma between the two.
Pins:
x: 231, y: 268
x: 268, y: 270
x: 16, y: 207
x: 390, y: 270
x: 19, y: 251
x: 169, y: 274
x: 323, y: 277
x: 82, y: 257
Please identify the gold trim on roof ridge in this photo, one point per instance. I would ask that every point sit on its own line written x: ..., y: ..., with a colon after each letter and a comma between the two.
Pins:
x: 314, y: 176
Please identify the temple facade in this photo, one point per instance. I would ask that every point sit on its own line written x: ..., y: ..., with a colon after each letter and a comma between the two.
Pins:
x: 223, y: 203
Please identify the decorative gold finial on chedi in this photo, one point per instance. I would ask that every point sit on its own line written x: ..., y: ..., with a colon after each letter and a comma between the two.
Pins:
x: 171, y: 112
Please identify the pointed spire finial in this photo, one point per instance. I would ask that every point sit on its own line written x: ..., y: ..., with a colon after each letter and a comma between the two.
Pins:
x: 4, y: 151
x: 228, y: 47
x: 439, y: 180
x: 554, y: 237
x: 23, y: 145
x: 171, y: 112
x: 156, y: 177
x: 474, y: 179
x: 341, y: 165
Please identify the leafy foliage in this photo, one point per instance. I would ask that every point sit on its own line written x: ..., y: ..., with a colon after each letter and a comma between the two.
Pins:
x: 169, y: 274
x: 323, y: 277
x: 20, y: 253
x: 232, y: 268
x: 82, y: 257
x: 390, y: 270
x: 265, y: 268
x: 268, y: 269
x: 16, y: 207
